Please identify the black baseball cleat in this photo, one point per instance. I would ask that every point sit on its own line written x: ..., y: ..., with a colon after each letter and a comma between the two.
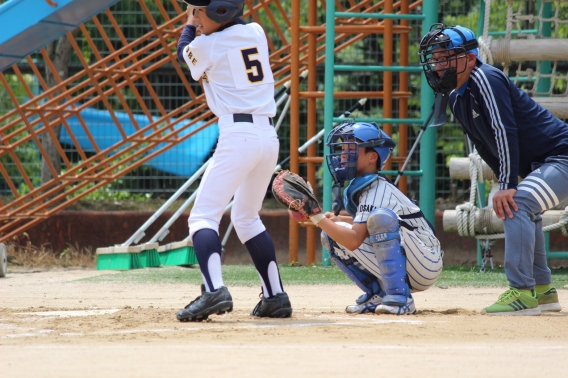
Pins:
x: 276, y: 307
x: 217, y: 302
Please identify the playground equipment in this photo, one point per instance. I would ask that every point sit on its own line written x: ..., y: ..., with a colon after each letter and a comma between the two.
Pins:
x: 3, y: 260
x: 28, y: 25
x: 118, y: 66
x: 123, y: 66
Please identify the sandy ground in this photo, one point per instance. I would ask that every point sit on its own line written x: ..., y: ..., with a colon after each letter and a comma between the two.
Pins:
x: 52, y: 325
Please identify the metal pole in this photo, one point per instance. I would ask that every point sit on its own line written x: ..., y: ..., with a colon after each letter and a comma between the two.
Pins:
x: 140, y: 233
x: 544, y: 85
x: 428, y: 144
x: 294, y: 119
x: 480, y: 186
x: 328, y: 106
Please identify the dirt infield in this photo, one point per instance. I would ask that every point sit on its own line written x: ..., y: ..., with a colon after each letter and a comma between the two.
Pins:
x: 52, y: 325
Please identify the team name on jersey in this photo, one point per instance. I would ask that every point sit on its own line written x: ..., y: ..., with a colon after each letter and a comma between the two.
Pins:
x: 366, y: 208
x: 204, y: 77
x: 190, y: 56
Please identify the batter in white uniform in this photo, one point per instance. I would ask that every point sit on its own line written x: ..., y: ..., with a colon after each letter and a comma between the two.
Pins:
x: 231, y: 58
x: 385, y: 245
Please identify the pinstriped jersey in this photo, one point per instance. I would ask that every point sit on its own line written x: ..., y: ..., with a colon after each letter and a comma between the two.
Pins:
x: 509, y: 130
x: 234, y: 65
x: 383, y: 194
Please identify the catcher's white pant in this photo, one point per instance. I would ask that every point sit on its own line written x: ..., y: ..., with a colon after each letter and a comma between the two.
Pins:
x: 423, y: 263
x: 242, y: 165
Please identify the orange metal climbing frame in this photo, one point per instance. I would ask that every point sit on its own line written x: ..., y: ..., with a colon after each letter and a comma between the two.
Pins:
x: 103, y: 80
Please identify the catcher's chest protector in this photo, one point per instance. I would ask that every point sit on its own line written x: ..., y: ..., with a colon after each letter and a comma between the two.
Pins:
x: 350, y: 194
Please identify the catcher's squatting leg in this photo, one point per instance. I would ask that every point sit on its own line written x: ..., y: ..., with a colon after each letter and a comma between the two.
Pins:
x: 365, y: 280
x: 384, y: 235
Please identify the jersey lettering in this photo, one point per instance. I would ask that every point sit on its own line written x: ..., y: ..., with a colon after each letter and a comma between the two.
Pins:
x: 253, y: 66
x: 363, y: 208
x: 205, y: 77
x: 190, y: 56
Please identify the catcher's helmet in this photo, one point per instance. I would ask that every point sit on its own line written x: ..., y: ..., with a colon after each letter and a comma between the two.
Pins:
x: 344, y: 142
x: 219, y: 11
x: 456, y: 40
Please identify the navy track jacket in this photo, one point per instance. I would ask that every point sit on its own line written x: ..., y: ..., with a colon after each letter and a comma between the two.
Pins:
x: 509, y: 130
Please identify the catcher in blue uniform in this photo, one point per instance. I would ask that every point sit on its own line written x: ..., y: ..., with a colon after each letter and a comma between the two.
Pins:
x: 515, y: 136
x: 385, y: 245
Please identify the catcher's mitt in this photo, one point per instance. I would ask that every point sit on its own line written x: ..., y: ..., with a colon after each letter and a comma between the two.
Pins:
x: 295, y: 194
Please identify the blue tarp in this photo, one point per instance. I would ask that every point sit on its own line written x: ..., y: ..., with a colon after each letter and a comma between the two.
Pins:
x: 29, y: 25
x: 182, y: 160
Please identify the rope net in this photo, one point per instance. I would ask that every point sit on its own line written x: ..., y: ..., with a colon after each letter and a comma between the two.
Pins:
x: 529, y: 20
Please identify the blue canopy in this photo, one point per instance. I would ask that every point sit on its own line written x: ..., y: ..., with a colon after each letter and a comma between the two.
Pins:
x: 29, y: 25
x: 183, y: 159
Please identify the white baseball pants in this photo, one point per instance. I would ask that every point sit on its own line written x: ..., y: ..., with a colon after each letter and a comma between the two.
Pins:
x: 242, y: 166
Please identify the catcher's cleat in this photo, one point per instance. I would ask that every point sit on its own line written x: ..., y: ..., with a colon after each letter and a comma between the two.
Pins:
x: 515, y: 302
x: 547, y: 298
x: 405, y: 309
x: 216, y: 302
x: 367, y: 306
x: 276, y: 307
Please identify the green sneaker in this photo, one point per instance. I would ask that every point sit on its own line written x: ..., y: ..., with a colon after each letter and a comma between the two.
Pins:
x: 514, y: 302
x: 547, y: 298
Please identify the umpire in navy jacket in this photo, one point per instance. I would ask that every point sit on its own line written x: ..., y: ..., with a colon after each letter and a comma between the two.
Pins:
x: 515, y: 136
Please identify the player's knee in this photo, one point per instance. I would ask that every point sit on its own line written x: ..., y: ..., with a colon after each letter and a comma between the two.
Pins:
x: 529, y: 201
x: 331, y: 245
x: 248, y: 229
x: 328, y: 243
x: 325, y: 241
x: 383, y: 225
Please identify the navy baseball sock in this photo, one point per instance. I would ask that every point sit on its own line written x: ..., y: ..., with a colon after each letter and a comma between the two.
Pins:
x: 207, y: 246
x: 263, y: 254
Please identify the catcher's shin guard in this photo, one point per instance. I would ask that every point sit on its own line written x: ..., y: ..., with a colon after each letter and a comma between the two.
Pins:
x: 384, y: 235
x: 353, y: 269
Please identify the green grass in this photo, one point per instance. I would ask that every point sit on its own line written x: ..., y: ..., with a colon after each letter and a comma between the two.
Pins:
x: 471, y: 277
x: 233, y: 275
x: 246, y: 275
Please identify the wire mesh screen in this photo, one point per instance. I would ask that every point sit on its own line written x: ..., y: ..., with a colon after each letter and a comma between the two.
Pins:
x: 164, y: 87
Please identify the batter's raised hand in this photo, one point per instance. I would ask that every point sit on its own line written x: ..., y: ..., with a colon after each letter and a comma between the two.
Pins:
x: 190, y: 12
x: 503, y: 202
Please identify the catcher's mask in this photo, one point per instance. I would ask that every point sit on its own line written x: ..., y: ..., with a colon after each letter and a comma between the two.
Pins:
x: 344, y: 142
x: 219, y: 11
x: 448, y: 44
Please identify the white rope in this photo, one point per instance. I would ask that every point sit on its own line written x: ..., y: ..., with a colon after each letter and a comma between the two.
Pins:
x: 503, y: 51
x: 485, y: 40
x: 486, y: 18
x: 467, y: 213
x: 465, y: 217
x: 562, y: 222
x: 485, y: 49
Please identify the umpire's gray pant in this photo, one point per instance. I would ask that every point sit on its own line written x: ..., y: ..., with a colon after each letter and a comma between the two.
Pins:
x: 525, y: 255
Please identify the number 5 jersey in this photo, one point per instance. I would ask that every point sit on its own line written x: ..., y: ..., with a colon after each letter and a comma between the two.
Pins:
x: 234, y: 65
